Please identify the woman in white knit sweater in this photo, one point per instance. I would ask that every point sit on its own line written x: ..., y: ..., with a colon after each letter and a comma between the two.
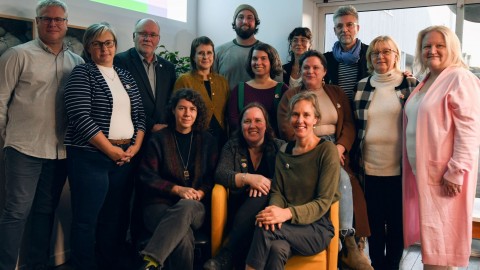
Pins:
x: 378, y: 111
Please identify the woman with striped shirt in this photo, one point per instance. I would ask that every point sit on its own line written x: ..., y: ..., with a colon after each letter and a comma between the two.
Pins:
x: 106, y: 125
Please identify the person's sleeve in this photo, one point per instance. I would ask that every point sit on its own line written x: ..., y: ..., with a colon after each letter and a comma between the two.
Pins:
x: 118, y: 62
x: 276, y: 195
x: 78, y: 105
x: 10, y: 72
x: 329, y: 175
x: 180, y: 83
x: 463, y: 104
x: 150, y: 167
x: 225, y: 172
x: 348, y: 132
x: 137, y: 103
x: 233, y: 113
x: 211, y: 155
x: 284, y: 127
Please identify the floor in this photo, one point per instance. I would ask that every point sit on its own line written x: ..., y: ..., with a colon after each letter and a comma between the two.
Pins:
x: 412, y: 259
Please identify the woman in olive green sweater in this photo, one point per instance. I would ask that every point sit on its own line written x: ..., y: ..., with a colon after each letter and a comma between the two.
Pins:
x: 305, y: 186
x: 211, y: 86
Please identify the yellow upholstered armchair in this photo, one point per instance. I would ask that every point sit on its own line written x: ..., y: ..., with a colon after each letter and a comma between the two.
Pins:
x: 325, y: 260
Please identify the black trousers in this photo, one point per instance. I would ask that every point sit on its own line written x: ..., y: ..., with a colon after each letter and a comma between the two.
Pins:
x: 383, y: 195
x: 242, y: 210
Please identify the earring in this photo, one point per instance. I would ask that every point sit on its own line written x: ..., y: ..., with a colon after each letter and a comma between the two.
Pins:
x: 323, y: 82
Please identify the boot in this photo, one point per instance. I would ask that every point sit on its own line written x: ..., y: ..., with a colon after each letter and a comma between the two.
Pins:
x: 351, y: 257
x: 221, y: 261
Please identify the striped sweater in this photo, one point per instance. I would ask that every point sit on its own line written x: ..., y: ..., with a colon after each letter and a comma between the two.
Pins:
x: 89, y: 102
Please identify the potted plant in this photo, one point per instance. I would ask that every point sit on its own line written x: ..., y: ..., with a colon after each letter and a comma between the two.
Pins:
x: 181, y: 63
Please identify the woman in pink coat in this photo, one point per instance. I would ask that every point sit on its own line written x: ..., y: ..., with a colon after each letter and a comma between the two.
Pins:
x: 442, y: 139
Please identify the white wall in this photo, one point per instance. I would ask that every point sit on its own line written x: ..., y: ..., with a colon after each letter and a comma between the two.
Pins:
x: 277, y: 20
x: 175, y: 35
x: 211, y: 18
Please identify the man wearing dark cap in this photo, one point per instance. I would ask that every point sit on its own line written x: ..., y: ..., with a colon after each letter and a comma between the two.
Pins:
x: 231, y: 56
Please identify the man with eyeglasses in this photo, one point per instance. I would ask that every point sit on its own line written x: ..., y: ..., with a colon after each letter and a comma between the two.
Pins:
x: 32, y: 129
x: 155, y: 78
x: 154, y: 75
x: 231, y: 56
x: 347, y: 62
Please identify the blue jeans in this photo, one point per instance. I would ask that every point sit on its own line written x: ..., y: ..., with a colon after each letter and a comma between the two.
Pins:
x: 33, y: 187
x: 346, y: 199
x: 101, y: 193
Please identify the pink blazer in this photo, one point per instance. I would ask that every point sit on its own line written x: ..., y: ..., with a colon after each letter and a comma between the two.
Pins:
x: 447, y: 147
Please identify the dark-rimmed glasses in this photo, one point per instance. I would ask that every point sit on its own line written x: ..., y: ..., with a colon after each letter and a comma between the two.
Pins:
x: 48, y: 20
x: 98, y: 44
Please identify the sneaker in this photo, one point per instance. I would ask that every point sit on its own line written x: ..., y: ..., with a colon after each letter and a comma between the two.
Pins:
x: 146, y: 267
x: 222, y: 261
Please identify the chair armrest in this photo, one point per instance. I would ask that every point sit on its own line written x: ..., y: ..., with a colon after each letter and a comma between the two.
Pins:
x: 332, y: 249
x: 219, y: 216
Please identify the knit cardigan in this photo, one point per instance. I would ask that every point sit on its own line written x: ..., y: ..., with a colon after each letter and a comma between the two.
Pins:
x: 89, y: 103
x: 233, y: 160
x: 217, y: 104
x: 161, y: 166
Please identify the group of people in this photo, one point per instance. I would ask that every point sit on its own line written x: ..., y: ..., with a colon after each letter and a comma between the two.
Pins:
x: 145, y: 148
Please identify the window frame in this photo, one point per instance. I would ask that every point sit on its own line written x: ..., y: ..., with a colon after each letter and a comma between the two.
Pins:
x: 323, y: 9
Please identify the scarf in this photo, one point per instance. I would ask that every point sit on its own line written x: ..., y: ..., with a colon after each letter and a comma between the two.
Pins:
x: 350, y: 57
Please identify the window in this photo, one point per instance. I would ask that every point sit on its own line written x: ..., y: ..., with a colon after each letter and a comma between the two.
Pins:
x: 402, y: 25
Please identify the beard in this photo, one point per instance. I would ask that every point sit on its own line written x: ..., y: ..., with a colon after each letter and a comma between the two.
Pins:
x: 244, y: 34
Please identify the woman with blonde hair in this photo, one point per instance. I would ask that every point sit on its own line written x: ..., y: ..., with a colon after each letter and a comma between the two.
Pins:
x: 378, y: 102
x: 440, y: 153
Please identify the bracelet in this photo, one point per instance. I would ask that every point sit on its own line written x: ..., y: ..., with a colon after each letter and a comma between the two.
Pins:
x: 244, y: 177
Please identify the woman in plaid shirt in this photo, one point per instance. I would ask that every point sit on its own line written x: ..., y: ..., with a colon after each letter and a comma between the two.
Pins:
x: 378, y: 111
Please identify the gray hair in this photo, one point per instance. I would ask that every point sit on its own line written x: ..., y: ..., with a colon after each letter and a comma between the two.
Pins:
x: 141, y: 21
x: 92, y: 32
x: 50, y: 3
x: 344, y: 11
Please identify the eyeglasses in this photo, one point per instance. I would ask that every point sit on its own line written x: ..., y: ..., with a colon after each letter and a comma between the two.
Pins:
x: 349, y: 25
x: 98, y: 44
x: 147, y: 35
x: 205, y: 54
x: 386, y: 52
x: 48, y: 20
x: 300, y: 40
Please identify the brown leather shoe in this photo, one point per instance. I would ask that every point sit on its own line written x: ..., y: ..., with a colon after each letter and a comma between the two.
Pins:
x: 351, y: 257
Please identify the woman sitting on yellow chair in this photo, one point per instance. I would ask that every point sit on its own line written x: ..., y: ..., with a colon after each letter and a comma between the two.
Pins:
x: 246, y: 167
x: 307, y: 170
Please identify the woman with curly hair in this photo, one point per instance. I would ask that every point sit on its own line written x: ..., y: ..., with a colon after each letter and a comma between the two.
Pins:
x: 176, y: 174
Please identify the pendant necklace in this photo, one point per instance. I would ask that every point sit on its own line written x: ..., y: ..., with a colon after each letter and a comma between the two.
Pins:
x: 104, y: 72
x: 186, y: 174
